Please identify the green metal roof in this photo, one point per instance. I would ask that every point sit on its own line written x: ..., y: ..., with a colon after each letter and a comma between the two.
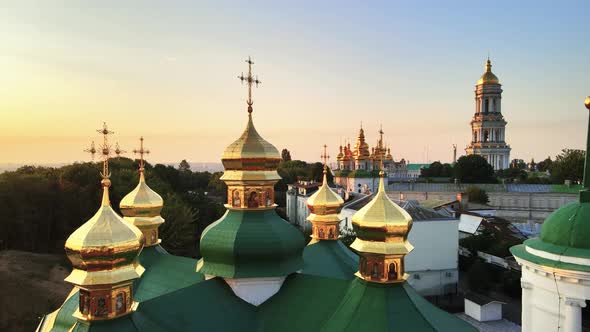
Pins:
x: 330, y: 259
x: 304, y: 303
x: 251, y: 244
x: 417, y: 167
x: 520, y: 252
x: 568, y: 227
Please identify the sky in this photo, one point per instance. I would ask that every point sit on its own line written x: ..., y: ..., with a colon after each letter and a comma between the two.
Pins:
x: 167, y: 70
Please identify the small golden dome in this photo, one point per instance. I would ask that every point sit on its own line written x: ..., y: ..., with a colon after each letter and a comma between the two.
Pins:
x: 142, y: 204
x: 325, y: 205
x: 142, y: 207
x: 488, y: 77
x: 382, y: 226
x: 587, y: 102
x: 250, y: 157
x: 104, y: 249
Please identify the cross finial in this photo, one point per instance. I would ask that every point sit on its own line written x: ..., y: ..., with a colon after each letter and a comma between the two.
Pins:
x: 249, y: 80
x: 118, y: 150
x: 105, y: 151
x: 141, y: 151
x: 91, y: 150
x: 325, y: 156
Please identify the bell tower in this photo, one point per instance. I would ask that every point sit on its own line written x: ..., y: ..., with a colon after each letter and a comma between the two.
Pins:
x: 488, y: 127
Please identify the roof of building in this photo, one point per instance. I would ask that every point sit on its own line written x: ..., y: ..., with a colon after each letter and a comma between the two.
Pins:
x: 417, y: 167
x: 330, y: 259
x: 481, y: 299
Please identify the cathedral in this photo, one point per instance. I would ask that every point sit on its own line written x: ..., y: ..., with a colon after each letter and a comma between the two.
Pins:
x: 488, y: 127
x: 256, y: 272
x: 360, y: 158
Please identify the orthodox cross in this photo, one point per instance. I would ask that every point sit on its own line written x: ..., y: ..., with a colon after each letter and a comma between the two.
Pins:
x: 105, y: 150
x: 249, y: 80
x: 91, y: 150
x: 325, y: 156
x: 141, y: 153
x: 118, y: 150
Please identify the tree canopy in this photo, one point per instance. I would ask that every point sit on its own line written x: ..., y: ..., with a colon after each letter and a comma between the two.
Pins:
x: 568, y: 165
x: 41, y: 206
x: 474, y: 169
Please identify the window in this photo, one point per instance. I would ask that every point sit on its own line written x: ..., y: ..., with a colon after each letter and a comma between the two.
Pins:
x: 486, y: 105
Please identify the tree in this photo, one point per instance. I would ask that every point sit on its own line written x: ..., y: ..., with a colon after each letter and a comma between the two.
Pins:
x: 474, y: 169
x: 568, y: 165
x: 286, y: 155
x: 532, y: 165
x: 544, y: 165
x: 436, y: 170
x: 477, y: 195
x: 184, y: 166
x: 518, y: 164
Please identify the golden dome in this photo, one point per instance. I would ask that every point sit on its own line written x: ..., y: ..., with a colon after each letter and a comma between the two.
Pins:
x: 142, y: 207
x: 382, y: 226
x: 104, y: 249
x: 488, y: 77
x: 587, y: 102
x: 250, y: 157
x: 325, y: 205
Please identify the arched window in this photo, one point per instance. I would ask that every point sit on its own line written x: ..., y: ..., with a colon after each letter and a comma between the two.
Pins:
x: 475, y: 136
x: 494, y: 105
x: 486, y: 105
x: 486, y: 135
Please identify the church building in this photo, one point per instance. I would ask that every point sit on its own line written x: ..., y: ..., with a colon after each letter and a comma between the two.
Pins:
x: 488, y: 127
x: 256, y: 272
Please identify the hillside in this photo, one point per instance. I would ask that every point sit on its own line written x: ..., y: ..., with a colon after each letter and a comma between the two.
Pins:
x: 31, y: 285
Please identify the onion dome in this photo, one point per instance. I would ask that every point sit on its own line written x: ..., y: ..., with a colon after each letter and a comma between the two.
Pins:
x: 250, y: 240
x: 389, y: 156
x: 340, y: 154
x: 488, y: 77
x: 361, y: 148
x: 563, y: 242
x: 382, y: 229
x: 104, y: 249
x: 325, y: 206
x: 250, y: 157
x: 142, y: 207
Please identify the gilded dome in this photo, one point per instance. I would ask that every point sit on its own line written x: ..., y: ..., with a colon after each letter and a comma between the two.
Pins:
x: 325, y: 205
x: 142, y: 204
x: 142, y: 207
x: 250, y: 157
x: 104, y: 249
x: 382, y: 226
x: 488, y: 77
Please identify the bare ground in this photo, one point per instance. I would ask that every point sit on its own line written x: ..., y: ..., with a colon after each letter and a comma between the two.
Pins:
x: 31, y: 285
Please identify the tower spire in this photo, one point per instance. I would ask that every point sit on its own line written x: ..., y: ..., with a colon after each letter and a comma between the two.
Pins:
x: 249, y: 79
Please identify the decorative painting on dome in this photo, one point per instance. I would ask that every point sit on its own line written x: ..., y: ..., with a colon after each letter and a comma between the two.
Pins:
x: 120, y: 303
x: 236, y: 200
x: 84, y: 305
x: 101, y: 309
x: 253, y: 200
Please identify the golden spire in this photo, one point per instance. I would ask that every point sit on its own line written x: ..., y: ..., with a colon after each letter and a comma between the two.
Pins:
x: 103, y: 253
x: 382, y: 229
x: 325, y: 206
x: 249, y: 80
x: 142, y: 206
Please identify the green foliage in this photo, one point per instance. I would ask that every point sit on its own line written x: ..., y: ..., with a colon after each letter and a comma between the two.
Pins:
x: 437, y: 170
x: 184, y: 166
x: 474, y: 169
x: 40, y: 207
x: 512, y: 174
x: 291, y: 171
x: 518, y: 164
x: 544, y: 165
x: 286, y: 155
x: 361, y: 173
x: 477, y: 195
x: 568, y: 165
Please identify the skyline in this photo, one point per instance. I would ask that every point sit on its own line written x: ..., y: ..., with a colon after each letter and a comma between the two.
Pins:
x: 169, y: 74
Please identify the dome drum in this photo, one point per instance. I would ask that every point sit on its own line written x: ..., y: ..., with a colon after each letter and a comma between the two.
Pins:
x: 382, y: 269
x: 250, y: 197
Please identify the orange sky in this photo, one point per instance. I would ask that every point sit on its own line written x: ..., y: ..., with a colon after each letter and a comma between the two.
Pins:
x: 169, y: 74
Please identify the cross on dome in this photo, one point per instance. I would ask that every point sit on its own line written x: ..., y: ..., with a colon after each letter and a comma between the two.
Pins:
x: 141, y: 151
x: 249, y: 80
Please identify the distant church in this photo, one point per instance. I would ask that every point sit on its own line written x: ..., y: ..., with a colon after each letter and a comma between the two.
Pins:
x: 488, y: 127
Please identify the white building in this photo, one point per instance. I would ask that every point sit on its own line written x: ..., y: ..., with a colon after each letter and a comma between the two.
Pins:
x: 488, y: 127
x: 482, y: 308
